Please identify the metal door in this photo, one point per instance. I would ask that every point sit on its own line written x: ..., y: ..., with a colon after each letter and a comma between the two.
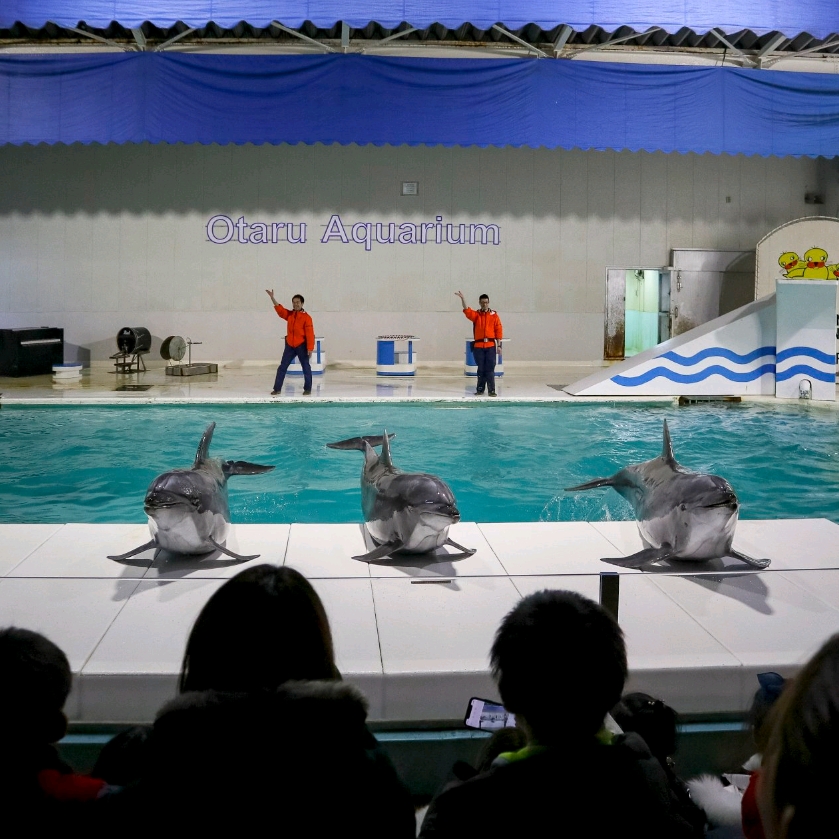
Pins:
x: 706, y: 284
x: 615, y: 331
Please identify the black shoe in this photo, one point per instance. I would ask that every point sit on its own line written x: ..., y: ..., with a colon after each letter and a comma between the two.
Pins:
x: 493, y: 393
x: 275, y: 392
x: 307, y: 393
x: 479, y: 393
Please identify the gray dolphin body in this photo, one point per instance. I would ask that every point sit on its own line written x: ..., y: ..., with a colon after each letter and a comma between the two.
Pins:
x: 187, y: 508
x: 681, y: 514
x: 405, y: 512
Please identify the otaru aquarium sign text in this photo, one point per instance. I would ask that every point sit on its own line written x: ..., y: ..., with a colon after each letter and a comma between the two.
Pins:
x: 222, y: 230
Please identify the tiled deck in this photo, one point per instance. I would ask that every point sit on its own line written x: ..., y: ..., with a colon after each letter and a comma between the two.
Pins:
x: 415, y: 636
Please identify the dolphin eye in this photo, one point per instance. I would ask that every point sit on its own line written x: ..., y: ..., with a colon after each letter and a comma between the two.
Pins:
x: 682, y: 507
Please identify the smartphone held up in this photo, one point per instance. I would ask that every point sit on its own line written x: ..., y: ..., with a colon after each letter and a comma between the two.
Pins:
x: 484, y: 715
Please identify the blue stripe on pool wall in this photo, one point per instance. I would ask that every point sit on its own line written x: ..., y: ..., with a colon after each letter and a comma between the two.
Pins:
x: 807, y: 371
x: 810, y: 352
x: 718, y: 352
x: 691, y: 378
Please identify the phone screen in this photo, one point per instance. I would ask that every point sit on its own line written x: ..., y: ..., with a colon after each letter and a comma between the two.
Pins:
x: 488, y: 716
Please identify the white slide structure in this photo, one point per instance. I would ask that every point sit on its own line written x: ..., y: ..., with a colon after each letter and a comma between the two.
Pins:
x: 738, y: 353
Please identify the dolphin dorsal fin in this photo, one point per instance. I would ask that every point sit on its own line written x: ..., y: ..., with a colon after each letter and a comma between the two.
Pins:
x: 384, y: 457
x: 667, y: 448
x: 203, y: 452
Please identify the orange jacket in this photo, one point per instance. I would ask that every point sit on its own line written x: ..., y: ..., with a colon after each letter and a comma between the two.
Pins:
x: 486, y: 327
x: 300, y: 327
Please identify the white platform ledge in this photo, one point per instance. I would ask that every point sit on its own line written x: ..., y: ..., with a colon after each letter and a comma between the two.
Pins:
x: 415, y: 636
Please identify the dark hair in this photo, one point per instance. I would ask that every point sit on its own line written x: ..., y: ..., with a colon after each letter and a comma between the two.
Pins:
x: 560, y: 662
x: 36, y: 683
x: 800, y: 768
x: 771, y: 685
x: 263, y: 627
x: 299, y: 297
x: 653, y: 719
x: 124, y: 758
x: 483, y: 297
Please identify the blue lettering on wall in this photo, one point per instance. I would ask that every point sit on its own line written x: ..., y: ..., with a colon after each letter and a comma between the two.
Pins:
x: 222, y: 229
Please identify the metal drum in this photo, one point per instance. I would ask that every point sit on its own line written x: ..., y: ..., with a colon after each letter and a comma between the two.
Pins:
x: 134, y: 339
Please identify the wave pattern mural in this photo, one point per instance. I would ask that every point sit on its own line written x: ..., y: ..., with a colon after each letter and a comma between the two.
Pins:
x: 718, y: 352
x: 739, y: 367
x: 793, y: 361
x: 799, y: 361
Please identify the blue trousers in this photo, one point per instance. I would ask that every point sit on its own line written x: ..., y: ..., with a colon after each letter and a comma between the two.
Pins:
x: 485, y: 359
x: 289, y: 353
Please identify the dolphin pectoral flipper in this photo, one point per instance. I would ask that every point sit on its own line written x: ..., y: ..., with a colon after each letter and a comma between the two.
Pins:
x: 230, y: 553
x: 381, y: 551
x: 152, y: 544
x: 597, y: 482
x: 642, y: 557
x: 464, y: 552
x: 750, y: 560
x: 357, y: 443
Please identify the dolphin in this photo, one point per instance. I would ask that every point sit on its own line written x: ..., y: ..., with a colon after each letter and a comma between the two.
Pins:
x: 681, y: 514
x: 405, y: 513
x: 187, y: 508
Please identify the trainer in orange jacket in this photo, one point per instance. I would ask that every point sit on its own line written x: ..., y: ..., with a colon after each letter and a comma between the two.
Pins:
x: 299, y: 341
x: 487, y: 331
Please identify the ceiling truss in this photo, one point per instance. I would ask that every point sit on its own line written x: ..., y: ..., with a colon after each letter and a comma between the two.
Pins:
x: 744, y: 48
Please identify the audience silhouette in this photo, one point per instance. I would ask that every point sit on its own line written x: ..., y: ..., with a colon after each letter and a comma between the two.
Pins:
x: 560, y: 664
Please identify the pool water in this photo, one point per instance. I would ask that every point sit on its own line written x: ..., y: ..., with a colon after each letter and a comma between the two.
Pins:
x: 504, y: 462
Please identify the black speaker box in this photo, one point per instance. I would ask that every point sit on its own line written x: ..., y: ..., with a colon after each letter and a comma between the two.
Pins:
x: 30, y: 352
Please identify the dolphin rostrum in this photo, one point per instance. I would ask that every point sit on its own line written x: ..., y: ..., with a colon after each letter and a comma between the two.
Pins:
x: 405, y: 513
x: 187, y: 508
x: 681, y: 514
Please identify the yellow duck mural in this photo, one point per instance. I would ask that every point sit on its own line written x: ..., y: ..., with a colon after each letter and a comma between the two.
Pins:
x: 816, y: 259
x: 791, y: 264
x: 812, y: 266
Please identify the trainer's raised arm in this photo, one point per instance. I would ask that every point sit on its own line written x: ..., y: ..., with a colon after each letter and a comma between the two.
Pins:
x: 270, y: 293
x: 462, y: 298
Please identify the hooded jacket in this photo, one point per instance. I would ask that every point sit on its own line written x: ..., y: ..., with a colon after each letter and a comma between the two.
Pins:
x: 486, y: 327
x: 298, y: 760
x: 300, y: 328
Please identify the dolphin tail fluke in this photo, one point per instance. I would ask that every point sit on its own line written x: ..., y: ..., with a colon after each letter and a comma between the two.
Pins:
x: 750, y: 560
x: 204, y: 446
x: 357, y: 443
x: 231, y: 554
x: 642, y: 557
x: 597, y: 482
x: 667, y: 447
x: 464, y: 552
x: 152, y: 544
x: 381, y: 551
x: 242, y: 467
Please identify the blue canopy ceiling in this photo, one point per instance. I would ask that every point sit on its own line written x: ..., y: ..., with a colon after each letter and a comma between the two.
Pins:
x: 816, y: 17
x: 199, y: 98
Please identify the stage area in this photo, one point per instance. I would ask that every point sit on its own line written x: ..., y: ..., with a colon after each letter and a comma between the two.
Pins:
x: 415, y: 636
x: 249, y: 382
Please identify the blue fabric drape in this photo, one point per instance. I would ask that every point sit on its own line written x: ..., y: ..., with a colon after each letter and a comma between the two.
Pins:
x: 817, y: 17
x: 359, y: 99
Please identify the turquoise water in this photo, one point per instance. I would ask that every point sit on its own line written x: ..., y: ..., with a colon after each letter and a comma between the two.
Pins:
x: 504, y: 462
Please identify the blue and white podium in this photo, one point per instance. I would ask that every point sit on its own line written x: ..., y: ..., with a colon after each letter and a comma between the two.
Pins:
x: 317, y: 361
x: 396, y: 355
x: 470, y: 368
